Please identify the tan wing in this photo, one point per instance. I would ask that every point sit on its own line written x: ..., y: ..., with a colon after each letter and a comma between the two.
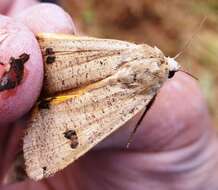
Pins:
x: 47, y: 150
x: 80, y: 118
x: 78, y: 60
x: 72, y: 61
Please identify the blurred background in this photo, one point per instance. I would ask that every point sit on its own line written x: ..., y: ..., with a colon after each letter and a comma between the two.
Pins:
x: 162, y: 23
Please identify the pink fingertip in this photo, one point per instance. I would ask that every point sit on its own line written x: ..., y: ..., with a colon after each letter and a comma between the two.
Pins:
x: 16, y: 39
x: 47, y: 17
x: 16, y: 6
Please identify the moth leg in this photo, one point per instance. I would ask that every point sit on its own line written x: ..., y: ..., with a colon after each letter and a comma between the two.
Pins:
x: 130, y: 139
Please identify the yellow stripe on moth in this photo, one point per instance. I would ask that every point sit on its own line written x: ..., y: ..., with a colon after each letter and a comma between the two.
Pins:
x: 73, y: 93
x: 62, y: 36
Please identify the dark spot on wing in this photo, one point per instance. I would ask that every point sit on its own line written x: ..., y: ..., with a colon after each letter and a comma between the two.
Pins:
x: 71, y: 135
x: 49, y: 51
x: 50, y: 59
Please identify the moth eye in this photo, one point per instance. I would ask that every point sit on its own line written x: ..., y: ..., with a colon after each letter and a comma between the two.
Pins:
x: 171, y: 74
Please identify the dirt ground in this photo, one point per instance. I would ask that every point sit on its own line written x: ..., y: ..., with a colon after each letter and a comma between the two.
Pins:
x: 162, y: 23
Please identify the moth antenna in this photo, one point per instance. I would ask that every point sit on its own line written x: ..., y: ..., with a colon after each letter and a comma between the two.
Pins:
x: 139, y: 122
x: 135, y: 129
x: 195, y: 33
x: 194, y: 77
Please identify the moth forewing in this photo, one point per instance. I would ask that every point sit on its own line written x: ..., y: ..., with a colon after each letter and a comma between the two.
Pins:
x: 78, y: 119
x: 76, y: 61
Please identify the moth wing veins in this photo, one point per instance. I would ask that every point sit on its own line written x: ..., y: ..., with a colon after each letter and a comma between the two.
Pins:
x: 80, y: 119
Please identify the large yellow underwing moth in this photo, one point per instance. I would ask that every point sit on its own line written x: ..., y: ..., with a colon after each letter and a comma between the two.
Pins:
x: 92, y: 87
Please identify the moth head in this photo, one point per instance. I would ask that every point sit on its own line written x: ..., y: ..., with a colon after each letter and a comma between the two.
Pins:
x: 173, y: 66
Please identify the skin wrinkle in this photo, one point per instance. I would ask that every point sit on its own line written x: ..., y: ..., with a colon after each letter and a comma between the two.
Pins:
x: 3, y: 36
x: 166, y: 140
x: 179, y: 161
x: 156, y: 164
x: 200, y: 173
x: 181, y: 132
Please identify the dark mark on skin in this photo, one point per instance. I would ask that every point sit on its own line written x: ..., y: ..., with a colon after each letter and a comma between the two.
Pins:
x: 24, y: 57
x: 14, y: 76
x: 71, y: 135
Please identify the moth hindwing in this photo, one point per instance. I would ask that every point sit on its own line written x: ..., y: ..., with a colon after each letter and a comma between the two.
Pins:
x: 105, y: 83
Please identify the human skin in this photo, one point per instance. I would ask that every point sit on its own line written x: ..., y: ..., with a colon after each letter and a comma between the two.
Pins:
x: 175, y: 147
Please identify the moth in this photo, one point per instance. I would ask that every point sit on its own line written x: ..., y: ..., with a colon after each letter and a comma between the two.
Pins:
x: 92, y: 87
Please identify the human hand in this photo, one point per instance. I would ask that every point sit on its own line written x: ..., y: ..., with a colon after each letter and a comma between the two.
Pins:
x: 174, y: 148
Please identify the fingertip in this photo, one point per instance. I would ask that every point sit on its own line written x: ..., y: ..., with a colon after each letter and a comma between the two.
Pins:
x: 47, y: 17
x: 15, y: 40
x: 16, y: 6
x: 4, y: 5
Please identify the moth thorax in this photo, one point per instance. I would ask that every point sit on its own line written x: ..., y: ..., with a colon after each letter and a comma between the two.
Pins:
x: 140, y: 74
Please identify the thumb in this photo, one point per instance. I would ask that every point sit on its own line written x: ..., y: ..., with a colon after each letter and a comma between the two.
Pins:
x: 15, y: 40
x: 13, y: 7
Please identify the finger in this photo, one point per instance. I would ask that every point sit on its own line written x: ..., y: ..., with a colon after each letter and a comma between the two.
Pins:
x: 15, y: 101
x: 16, y: 6
x: 47, y: 17
x: 178, y: 116
x: 5, y: 5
